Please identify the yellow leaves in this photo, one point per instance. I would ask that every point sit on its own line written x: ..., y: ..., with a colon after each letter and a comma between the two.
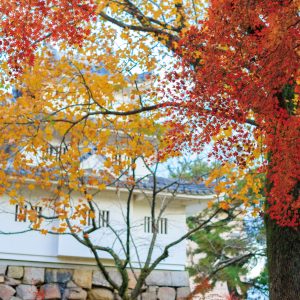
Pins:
x: 224, y: 205
x: 61, y: 229
x: 210, y: 204
x: 44, y: 231
x: 35, y: 226
x: 62, y: 216
x: 108, y: 163
x: 21, y: 217
x: 48, y: 133
x: 101, y: 186
x: 59, y: 91
x: 256, y: 153
x: 223, y: 134
x: 86, y: 150
x: 83, y: 222
x: 31, y: 187
x: 13, y: 201
x: 92, y: 215
x: 222, y: 47
x: 85, y: 143
x: 228, y: 132
x: 124, y: 35
x: 255, y: 212
x: 12, y: 193
x: 89, y: 197
x: 237, y: 185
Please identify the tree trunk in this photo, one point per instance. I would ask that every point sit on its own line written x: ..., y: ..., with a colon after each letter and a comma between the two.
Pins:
x: 283, y: 251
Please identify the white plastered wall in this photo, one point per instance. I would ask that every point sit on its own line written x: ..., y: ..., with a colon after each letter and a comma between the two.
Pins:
x: 33, y: 246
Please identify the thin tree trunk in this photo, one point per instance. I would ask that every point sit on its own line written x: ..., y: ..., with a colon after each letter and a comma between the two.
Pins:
x: 283, y: 251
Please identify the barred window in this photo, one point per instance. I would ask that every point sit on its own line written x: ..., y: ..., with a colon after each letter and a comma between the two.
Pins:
x: 20, y: 213
x: 147, y: 225
x: 162, y: 225
x: 103, y: 218
x: 89, y: 220
x: 38, y: 209
x: 56, y: 151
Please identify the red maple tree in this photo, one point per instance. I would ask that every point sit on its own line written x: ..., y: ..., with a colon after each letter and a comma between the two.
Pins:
x: 242, y: 67
x: 25, y: 23
x: 245, y: 61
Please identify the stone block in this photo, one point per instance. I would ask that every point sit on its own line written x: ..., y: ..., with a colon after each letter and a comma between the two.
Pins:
x: 83, y: 278
x: 6, y: 292
x: 132, y: 279
x: 99, y: 280
x: 182, y: 293
x: 12, y: 281
x: 179, y: 278
x: 75, y: 294
x: 152, y: 289
x: 27, y: 292
x: 100, y: 294
x: 50, y: 291
x: 2, y: 278
x: 15, y: 272
x: 34, y: 275
x: 3, y: 269
x: 58, y: 275
x: 115, y: 276
x: 72, y: 284
x: 160, y: 278
x: 149, y: 296
x: 166, y: 293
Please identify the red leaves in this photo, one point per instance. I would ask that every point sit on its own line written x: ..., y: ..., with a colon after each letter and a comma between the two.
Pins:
x: 284, y: 172
x: 243, y: 57
x: 25, y: 23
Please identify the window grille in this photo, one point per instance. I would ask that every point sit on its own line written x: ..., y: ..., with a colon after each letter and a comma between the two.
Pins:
x: 147, y: 225
x: 56, y: 151
x: 38, y: 209
x: 103, y: 218
x: 162, y: 225
x: 89, y: 220
x: 20, y: 210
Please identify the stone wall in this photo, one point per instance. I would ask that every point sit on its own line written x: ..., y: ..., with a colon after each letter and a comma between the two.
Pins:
x: 37, y: 283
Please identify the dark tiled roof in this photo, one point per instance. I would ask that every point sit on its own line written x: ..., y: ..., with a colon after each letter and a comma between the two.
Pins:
x: 177, y: 186
x: 162, y: 184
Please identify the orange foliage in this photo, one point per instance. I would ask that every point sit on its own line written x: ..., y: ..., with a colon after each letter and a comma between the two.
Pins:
x: 25, y: 23
x: 245, y: 70
x: 237, y: 84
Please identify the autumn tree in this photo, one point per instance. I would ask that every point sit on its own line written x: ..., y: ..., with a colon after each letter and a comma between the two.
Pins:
x: 71, y: 131
x: 229, y: 247
x: 236, y: 84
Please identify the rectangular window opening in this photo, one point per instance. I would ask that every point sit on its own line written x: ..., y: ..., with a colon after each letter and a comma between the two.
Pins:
x: 57, y: 151
x: 20, y: 211
x: 104, y: 218
x: 162, y: 225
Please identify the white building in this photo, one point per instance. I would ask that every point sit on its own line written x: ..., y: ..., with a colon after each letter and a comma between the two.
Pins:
x: 123, y: 225
x: 30, y: 246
